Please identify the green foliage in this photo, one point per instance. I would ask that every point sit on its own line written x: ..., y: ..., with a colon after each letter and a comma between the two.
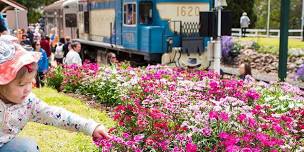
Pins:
x: 34, y: 8
x: 271, y: 45
x: 278, y: 99
x: 238, y: 7
x: 237, y: 46
x: 256, y: 46
x: 52, y: 139
x: 54, y: 78
x: 261, y: 7
x: 104, y: 90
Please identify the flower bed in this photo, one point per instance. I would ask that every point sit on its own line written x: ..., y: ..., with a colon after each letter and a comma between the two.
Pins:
x: 163, y: 108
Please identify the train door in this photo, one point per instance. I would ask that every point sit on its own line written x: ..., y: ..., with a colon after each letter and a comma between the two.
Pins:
x: 83, y: 20
x: 118, y: 23
x: 129, y: 27
x: 70, y: 12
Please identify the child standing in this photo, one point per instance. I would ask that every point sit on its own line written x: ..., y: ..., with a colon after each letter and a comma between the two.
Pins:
x: 18, y: 105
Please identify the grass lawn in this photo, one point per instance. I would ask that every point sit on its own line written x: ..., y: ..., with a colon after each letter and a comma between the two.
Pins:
x: 51, y: 139
x: 271, y: 45
x: 274, y: 42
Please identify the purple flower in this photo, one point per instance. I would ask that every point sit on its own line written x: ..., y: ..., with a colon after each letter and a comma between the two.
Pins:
x: 300, y: 71
x: 206, y: 131
x: 227, y: 45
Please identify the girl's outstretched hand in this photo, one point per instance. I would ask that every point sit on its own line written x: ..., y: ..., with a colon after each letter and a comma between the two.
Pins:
x: 101, y: 132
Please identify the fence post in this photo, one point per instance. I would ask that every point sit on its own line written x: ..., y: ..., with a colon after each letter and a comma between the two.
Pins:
x: 284, y: 39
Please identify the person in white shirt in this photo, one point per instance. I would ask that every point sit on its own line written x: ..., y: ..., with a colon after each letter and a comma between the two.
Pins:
x: 73, y: 56
x: 244, y: 21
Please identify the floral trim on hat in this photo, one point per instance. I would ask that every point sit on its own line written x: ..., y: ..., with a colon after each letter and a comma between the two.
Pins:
x: 7, y: 50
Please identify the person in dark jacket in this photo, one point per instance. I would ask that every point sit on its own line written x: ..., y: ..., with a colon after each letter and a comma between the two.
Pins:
x: 66, y: 47
x: 25, y: 41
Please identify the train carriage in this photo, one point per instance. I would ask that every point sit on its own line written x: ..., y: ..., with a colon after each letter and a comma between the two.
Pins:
x: 146, y: 28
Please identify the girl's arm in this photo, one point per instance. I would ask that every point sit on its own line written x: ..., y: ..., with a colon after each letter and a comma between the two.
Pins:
x: 59, y: 117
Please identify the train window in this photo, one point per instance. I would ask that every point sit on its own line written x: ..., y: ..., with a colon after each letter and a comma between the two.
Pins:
x: 86, y: 22
x: 130, y: 14
x: 145, y: 11
x: 71, y: 20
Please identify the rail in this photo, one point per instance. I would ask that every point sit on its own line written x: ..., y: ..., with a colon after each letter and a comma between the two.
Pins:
x: 293, y: 33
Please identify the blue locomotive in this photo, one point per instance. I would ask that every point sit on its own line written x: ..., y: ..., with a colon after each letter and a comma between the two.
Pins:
x: 157, y: 31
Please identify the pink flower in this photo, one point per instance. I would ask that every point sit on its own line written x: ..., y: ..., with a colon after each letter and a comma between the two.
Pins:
x: 246, y: 150
x: 251, y: 122
x: 139, y: 137
x: 263, y: 138
x: 224, y: 116
x: 125, y: 135
x: 241, y: 117
x: 252, y: 94
x: 232, y: 148
x: 223, y: 135
x: 278, y: 128
x: 190, y: 147
x: 213, y: 115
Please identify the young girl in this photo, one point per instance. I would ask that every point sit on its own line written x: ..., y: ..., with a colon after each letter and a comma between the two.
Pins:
x: 245, y: 70
x: 18, y: 105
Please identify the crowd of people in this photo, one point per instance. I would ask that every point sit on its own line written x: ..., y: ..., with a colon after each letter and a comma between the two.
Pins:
x: 54, y: 53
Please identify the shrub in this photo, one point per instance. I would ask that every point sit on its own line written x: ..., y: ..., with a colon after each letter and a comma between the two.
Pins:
x: 74, y: 75
x: 103, y: 89
x: 54, y: 78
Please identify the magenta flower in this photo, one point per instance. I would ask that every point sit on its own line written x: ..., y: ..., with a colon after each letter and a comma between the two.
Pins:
x: 125, y: 135
x: 241, y: 117
x: 224, y: 116
x: 232, y: 148
x: 224, y: 135
x: 252, y: 94
x: 213, y: 115
x: 190, y: 147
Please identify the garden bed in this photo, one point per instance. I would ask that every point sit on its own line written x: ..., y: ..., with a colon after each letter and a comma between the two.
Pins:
x: 161, y: 108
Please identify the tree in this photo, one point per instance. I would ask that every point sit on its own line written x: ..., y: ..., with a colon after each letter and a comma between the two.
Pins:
x: 294, y: 17
x: 34, y: 8
x: 238, y: 7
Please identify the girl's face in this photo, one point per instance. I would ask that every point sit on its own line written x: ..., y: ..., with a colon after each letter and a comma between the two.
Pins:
x: 113, y: 59
x: 242, y: 69
x: 17, y: 90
